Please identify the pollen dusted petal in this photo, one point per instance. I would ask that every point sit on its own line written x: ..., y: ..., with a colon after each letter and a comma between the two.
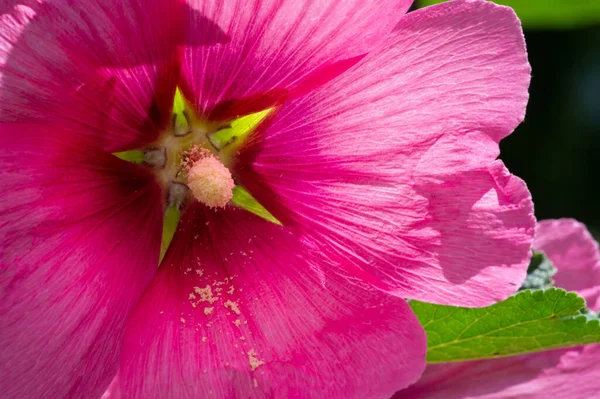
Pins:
x: 79, y: 241
x: 277, y: 49
x: 105, y: 68
x: 390, y: 171
x: 278, y: 328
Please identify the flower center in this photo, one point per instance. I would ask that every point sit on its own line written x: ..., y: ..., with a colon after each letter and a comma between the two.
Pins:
x: 191, y: 161
x: 186, y: 159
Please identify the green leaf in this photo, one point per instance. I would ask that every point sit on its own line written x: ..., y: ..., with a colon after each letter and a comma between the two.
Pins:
x: 135, y: 156
x: 529, y: 321
x: 243, y: 199
x: 170, y: 222
x: 548, y: 13
x: 238, y: 129
x: 179, y: 106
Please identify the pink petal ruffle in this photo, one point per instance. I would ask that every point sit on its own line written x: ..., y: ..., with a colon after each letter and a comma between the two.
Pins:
x: 238, y: 311
x: 390, y: 169
x: 574, y: 252
x: 565, y: 373
x: 80, y: 234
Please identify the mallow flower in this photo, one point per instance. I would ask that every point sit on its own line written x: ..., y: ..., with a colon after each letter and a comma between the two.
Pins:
x: 564, y: 373
x: 327, y: 158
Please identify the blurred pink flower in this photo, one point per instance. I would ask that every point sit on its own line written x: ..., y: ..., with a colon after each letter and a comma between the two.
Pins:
x: 379, y: 160
x: 564, y: 373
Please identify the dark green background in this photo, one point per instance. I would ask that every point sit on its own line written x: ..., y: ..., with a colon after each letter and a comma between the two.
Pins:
x: 556, y: 150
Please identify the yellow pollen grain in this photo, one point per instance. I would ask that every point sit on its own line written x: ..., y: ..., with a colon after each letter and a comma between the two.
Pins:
x: 203, y: 339
x: 233, y: 306
x: 254, y: 361
x: 208, y: 311
x: 231, y: 290
x: 237, y: 323
x: 205, y: 294
x: 182, y: 320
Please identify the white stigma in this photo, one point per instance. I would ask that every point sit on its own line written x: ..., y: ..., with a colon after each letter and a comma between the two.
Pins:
x: 210, y: 182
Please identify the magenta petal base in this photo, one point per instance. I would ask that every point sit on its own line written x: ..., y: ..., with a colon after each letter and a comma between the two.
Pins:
x: 232, y: 314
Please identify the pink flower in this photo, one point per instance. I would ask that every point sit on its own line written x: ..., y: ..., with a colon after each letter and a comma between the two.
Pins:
x: 564, y: 373
x: 378, y: 159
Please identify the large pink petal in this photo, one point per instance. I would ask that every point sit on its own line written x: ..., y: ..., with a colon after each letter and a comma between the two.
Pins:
x: 390, y: 168
x: 240, y: 309
x: 562, y: 374
x: 105, y: 68
x: 573, y: 251
x: 79, y: 240
x: 278, y: 48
